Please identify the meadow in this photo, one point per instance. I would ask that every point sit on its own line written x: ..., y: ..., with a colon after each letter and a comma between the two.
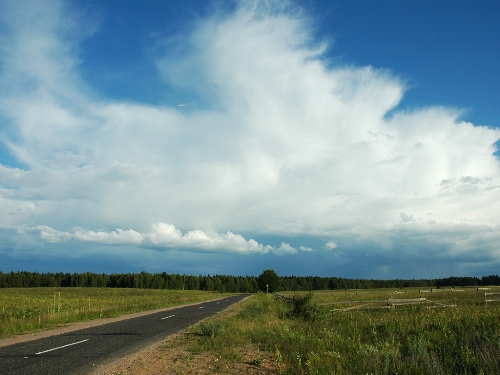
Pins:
x: 379, y: 331
x: 421, y: 338
x: 30, y: 309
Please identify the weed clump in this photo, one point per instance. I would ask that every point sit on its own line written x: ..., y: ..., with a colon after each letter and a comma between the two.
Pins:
x: 300, y: 306
x: 211, y: 329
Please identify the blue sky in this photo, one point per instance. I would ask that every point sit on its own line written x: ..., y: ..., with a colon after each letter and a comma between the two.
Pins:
x: 333, y: 138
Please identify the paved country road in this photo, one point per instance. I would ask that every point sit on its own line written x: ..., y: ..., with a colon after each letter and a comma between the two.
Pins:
x: 78, y: 352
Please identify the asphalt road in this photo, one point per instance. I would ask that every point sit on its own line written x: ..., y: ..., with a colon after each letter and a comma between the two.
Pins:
x: 78, y: 352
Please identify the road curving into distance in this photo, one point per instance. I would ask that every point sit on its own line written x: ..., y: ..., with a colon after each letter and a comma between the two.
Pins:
x: 79, y: 352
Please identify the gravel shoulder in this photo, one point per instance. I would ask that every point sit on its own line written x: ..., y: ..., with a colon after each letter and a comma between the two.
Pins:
x: 172, y: 356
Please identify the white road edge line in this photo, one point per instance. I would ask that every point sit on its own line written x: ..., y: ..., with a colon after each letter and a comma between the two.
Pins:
x: 64, y: 346
x: 167, y: 317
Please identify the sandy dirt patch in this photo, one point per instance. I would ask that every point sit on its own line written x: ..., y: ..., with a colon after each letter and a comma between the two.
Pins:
x: 173, y: 356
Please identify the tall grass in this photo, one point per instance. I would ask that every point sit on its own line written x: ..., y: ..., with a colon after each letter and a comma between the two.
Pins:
x: 403, y: 340
x: 24, y: 310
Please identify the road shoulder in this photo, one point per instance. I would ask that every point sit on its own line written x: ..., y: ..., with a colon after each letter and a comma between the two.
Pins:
x: 172, y: 356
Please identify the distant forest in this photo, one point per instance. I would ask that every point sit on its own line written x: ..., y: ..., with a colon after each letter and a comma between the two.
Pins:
x: 220, y: 283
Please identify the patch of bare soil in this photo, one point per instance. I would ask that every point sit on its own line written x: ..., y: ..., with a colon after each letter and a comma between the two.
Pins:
x: 172, y: 356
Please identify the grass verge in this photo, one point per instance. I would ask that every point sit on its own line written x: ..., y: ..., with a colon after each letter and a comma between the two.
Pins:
x: 403, y: 340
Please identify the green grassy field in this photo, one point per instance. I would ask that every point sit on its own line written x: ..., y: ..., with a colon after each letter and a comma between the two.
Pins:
x: 405, y: 339
x: 382, y: 331
x: 29, y: 309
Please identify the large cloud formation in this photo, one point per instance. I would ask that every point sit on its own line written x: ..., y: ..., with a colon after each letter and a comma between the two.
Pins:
x: 280, y: 142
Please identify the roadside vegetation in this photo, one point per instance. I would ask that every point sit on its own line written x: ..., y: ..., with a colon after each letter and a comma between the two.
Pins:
x: 306, y: 337
x: 29, y: 309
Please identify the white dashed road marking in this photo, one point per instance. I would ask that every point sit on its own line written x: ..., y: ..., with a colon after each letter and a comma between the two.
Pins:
x: 60, y: 347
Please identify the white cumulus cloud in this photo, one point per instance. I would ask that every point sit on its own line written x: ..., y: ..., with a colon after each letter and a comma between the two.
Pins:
x: 330, y: 245
x: 284, y: 144
x: 118, y: 236
x: 168, y: 235
x: 305, y: 248
x: 164, y: 235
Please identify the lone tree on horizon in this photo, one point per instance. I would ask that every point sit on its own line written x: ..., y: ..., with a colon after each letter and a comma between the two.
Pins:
x: 269, y: 280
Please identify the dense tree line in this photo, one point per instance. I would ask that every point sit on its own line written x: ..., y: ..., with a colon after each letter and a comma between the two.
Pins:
x: 223, y: 283
x: 144, y: 280
x: 322, y: 283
